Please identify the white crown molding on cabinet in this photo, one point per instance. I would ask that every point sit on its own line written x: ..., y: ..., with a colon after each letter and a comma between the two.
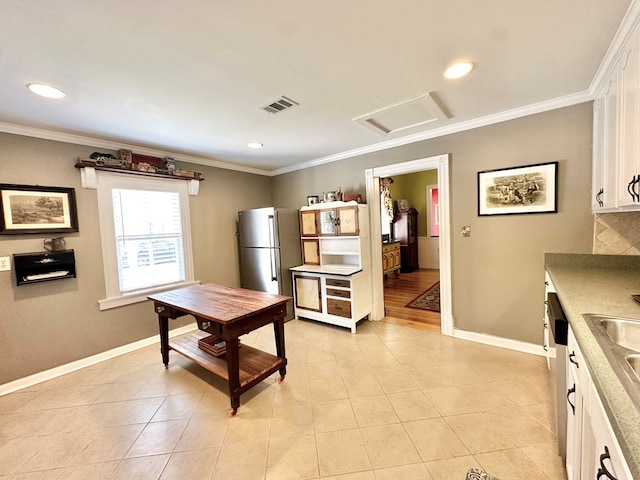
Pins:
x: 629, y: 22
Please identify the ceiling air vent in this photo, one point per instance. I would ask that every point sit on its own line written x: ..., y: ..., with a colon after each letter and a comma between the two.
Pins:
x: 413, y: 113
x: 279, y: 105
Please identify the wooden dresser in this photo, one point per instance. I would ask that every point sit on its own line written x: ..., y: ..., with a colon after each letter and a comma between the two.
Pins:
x: 391, y: 258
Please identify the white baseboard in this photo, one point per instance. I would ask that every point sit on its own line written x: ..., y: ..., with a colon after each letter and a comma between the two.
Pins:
x: 486, y: 339
x: 85, y: 362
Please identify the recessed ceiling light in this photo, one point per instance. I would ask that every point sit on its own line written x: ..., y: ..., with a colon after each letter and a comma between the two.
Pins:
x: 458, y: 70
x: 45, y: 90
x: 255, y: 145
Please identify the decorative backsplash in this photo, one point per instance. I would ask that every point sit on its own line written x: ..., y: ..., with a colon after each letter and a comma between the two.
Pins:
x: 617, y: 233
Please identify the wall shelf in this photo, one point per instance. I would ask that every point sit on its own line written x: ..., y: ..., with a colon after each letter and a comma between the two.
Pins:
x: 44, y: 266
x: 136, y: 172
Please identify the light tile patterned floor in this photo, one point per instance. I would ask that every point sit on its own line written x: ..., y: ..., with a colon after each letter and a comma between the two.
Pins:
x: 389, y: 402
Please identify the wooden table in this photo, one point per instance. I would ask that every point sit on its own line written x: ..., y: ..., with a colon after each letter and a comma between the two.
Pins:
x: 228, y: 313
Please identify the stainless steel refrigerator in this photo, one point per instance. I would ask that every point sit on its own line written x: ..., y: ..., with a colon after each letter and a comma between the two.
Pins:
x: 269, y: 244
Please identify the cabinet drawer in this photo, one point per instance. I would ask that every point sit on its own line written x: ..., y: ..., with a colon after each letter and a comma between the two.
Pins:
x: 339, y: 293
x: 340, y: 308
x: 332, y: 282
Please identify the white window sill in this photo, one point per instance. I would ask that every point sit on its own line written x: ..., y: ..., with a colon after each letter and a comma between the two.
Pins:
x: 140, y: 296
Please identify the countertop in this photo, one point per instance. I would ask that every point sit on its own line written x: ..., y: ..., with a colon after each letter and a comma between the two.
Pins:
x: 602, y: 284
x: 331, y: 269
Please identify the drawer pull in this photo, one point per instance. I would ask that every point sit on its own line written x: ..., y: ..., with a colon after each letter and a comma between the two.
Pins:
x: 205, y: 325
x: 602, y: 471
x: 572, y: 359
x: 569, y: 392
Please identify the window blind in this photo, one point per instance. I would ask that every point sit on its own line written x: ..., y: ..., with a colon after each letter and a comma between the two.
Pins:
x: 148, y: 235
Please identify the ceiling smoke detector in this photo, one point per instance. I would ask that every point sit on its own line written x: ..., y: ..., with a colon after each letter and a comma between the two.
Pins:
x: 279, y: 105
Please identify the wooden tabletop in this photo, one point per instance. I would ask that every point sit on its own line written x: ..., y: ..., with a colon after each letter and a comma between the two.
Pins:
x: 219, y: 303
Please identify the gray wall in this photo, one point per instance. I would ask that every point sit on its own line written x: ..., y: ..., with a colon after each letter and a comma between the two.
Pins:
x: 498, y: 272
x: 48, y: 324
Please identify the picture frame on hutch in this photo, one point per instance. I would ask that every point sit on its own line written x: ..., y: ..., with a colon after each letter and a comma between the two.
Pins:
x: 37, y: 209
x: 525, y: 189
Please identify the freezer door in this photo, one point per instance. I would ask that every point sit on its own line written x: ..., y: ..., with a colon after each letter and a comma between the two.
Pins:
x: 260, y: 269
x: 257, y: 228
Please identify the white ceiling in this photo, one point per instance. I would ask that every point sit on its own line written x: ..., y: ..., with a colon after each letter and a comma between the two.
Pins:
x: 188, y: 78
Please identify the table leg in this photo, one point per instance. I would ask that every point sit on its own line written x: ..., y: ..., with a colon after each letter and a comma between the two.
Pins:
x: 233, y: 370
x: 163, y: 323
x: 278, y: 330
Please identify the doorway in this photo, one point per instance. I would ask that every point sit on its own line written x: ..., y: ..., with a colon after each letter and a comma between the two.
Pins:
x: 372, y: 177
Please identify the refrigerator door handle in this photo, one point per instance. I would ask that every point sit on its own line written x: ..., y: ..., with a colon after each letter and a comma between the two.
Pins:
x: 272, y: 231
x: 272, y: 244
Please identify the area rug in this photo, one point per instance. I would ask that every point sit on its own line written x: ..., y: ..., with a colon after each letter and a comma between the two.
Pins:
x: 477, y: 474
x: 427, y: 300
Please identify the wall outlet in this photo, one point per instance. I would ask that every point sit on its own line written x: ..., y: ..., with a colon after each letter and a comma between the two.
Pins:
x: 5, y: 264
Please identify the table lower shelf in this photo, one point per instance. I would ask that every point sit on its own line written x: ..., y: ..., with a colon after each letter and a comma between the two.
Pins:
x: 254, y: 363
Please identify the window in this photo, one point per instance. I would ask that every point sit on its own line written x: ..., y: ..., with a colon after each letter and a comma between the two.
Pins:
x: 146, y: 239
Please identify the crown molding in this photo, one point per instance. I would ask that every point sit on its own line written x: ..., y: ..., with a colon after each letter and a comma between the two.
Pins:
x: 628, y: 24
x: 540, y: 107
x: 111, y: 145
x: 547, y: 105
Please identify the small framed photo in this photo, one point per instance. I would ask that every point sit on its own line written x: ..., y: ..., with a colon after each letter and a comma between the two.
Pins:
x: 526, y: 189
x: 35, y: 209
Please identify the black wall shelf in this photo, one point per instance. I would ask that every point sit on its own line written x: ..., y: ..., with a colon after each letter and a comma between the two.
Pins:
x: 44, y: 266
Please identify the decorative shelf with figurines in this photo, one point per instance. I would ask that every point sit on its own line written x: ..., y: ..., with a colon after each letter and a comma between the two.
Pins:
x: 128, y: 162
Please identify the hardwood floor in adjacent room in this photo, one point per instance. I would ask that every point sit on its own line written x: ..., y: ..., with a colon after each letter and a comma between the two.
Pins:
x: 398, y: 291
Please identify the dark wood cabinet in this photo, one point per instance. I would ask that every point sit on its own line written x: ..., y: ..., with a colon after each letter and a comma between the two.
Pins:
x: 405, y: 231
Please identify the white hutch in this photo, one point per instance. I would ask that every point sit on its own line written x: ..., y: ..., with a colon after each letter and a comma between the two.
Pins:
x: 333, y: 285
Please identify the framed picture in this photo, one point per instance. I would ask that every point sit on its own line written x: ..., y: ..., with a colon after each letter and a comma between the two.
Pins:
x: 36, y: 209
x: 526, y: 189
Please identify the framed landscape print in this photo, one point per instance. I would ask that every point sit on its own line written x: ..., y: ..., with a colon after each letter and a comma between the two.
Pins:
x: 36, y: 209
x: 526, y: 189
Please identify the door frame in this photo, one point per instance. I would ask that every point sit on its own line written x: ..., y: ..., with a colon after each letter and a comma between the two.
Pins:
x: 372, y: 184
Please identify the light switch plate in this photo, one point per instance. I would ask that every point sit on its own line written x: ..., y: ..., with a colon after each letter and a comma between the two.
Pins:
x: 5, y: 264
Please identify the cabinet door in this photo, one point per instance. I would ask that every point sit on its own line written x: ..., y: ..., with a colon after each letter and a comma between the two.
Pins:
x: 308, y: 223
x: 311, y: 251
x: 328, y: 223
x: 307, y: 292
x: 574, y: 406
x: 602, y: 457
x: 628, y: 80
x: 348, y: 221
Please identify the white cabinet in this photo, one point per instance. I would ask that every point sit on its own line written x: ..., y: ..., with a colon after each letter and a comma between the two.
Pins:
x: 574, y: 405
x: 335, y: 299
x: 605, y: 145
x: 629, y: 124
x: 548, y: 288
x: 616, y: 134
x: 601, y: 454
x: 333, y: 285
x: 592, y: 449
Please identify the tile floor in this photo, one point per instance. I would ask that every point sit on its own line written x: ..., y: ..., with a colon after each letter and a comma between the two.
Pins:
x: 390, y: 402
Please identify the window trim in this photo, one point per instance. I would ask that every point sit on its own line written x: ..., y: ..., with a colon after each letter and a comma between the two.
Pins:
x: 106, y: 181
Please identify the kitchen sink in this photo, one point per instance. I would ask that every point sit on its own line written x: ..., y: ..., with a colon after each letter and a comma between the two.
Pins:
x: 634, y: 363
x: 619, y: 339
x: 623, y: 332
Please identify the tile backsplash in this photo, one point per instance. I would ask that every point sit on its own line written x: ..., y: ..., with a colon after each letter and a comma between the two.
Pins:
x: 617, y: 233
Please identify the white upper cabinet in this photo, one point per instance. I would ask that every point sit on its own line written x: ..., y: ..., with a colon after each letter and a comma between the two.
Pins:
x: 629, y: 123
x: 605, y: 153
x: 616, y: 134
